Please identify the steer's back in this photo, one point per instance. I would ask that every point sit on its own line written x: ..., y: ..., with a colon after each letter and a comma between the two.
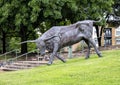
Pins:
x: 56, y: 30
x: 70, y: 35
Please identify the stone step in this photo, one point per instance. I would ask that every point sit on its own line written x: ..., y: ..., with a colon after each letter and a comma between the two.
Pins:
x: 26, y: 64
x: 19, y: 65
x: 33, y: 62
x: 8, y: 69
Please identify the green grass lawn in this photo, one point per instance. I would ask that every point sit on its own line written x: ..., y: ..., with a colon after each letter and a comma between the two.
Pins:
x: 76, y: 71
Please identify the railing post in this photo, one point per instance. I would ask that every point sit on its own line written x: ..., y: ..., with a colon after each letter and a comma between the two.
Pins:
x: 5, y: 58
x: 38, y: 54
x: 16, y: 58
x: 70, y: 52
x: 26, y: 57
x: 82, y: 46
x: 16, y: 54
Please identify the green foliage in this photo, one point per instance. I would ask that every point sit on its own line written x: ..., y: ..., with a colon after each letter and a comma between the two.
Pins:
x: 94, y: 9
x: 31, y: 46
x: 30, y: 14
x: 35, y: 6
x: 77, y: 71
x: 13, y: 44
x: 52, y: 9
x: 4, y: 12
x: 0, y: 47
x: 116, y: 7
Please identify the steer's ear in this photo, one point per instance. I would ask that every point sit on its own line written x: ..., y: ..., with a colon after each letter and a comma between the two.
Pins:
x: 79, y: 26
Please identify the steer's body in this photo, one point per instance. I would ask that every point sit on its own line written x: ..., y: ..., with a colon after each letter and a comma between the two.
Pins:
x: 60, y: 36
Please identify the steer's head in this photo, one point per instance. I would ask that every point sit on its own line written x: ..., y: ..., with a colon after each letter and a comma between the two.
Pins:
x: 41, y: 46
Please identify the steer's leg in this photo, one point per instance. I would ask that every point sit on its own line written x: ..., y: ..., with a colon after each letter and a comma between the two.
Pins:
x: 88, y: 51
x: 55, y: 49
x: 94, y: 45
x: 59, y: 57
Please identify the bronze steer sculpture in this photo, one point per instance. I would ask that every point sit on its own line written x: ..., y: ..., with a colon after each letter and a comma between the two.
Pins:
x: 58, y: 37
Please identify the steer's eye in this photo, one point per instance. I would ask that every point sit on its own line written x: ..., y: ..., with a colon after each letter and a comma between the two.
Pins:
x: 39, y: 47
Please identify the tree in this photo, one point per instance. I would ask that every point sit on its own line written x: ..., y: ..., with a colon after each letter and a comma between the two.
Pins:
x: 116, y: 7
x: 16, y: 16
x: 94, y: 9
x: 114, y: 17
x: 24, y: 16
x: 6, y: 23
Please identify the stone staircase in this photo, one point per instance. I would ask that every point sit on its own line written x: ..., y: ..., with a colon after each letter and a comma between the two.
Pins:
x: 19, y: 65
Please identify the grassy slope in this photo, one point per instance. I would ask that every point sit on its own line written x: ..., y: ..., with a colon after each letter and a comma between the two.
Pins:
x: 77, y: 71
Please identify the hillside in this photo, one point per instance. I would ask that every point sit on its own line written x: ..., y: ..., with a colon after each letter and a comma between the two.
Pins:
x: 76, y: 71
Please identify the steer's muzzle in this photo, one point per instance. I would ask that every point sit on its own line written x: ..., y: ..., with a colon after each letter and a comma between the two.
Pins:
x: 42, y: 54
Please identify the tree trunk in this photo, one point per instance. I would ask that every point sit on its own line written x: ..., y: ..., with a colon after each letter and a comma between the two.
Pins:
x: 101, y: 31
x: 23, y: 34
x: 98, y: 35
x: 3, y: 42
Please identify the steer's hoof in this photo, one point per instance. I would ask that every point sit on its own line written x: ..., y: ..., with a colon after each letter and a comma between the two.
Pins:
x: 49, y: 63
x: 87, y: 57
x: 64, y: 61
x: 100, y: 55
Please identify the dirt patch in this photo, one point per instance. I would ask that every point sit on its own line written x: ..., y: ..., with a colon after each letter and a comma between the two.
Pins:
x: 1, y: 71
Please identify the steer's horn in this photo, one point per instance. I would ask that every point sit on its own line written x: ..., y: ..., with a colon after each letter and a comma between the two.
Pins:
x: 27, y: 41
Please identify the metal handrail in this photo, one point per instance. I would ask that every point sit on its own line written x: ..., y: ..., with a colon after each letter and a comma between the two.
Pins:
x: 16, y: 51
x: 25, y: 54
x: 9, y: 52
x: 11, y: 60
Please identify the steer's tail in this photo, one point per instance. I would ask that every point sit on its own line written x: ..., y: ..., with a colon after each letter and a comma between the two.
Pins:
x: 27, y: 41
x: 97, y: 21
